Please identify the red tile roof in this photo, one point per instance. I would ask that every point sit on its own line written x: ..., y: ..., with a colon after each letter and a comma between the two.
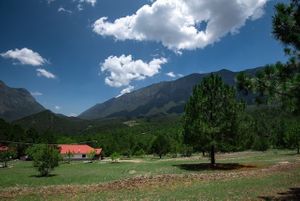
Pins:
x: 77, y: 149
x: 3, y: 148
x: 98, y: 151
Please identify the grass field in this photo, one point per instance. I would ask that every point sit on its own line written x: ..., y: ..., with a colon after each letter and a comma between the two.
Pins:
x: 271, y: 175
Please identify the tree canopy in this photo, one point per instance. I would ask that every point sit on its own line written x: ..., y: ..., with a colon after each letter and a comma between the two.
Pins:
x: 279, y: 84
x: 211, y: 116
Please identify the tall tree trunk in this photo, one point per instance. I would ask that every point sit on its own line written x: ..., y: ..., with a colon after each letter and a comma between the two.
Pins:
x: 5, y: 164
x: 203, y: 153
x: 212, y: 155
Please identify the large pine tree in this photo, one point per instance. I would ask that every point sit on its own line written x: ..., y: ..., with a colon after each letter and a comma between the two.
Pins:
x: 211, y: 116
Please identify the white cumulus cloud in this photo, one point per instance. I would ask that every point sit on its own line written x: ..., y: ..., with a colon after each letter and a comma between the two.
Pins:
x: 182, y: 24
x: 122, y: 70
x: 25, y: 56
x: 126, y: 91
x: 44, y: 73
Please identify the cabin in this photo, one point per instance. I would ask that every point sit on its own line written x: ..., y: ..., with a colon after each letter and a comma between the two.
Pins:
x: 78, y: 152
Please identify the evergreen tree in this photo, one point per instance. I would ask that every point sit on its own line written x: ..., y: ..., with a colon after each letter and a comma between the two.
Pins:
x: 161, y: 145
x: 280, y: 83
x: 211, y: 115
x: 293, y: 135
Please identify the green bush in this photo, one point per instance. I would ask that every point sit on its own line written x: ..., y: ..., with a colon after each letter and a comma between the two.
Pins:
x: 6, y: 156
x: 140, y: 152
x: 260, y: 144
x: 115, y: 156
x: 187, y: 151
x: 45, y: 158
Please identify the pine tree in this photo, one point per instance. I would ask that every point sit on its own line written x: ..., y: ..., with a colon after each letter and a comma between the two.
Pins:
x: 211, y: 115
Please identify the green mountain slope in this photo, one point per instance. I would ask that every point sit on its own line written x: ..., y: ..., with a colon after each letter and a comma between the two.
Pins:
x: 158, y: 99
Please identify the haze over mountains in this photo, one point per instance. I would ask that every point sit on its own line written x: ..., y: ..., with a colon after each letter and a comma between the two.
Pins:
x: 164, y: 98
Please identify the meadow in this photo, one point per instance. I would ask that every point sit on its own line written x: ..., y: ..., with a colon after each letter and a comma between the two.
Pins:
x: 270, y: 175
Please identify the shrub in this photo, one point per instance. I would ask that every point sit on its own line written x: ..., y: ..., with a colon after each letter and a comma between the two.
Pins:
x: 45, y: 158
x: 6, y: 156
x: 115, y: 156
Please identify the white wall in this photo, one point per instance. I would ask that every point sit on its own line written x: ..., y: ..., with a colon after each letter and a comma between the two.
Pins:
x: 75, y: 156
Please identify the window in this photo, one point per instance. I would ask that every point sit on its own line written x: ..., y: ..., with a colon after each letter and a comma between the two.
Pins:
x: 83, y: 155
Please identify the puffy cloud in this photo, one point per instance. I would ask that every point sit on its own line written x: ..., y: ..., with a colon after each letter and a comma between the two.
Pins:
x: 126, y: 91
x: 44, y: 73
x: 62, y: 9
x: 25, y: 56
x: 91, y: 2
x: 171, y: 74
x: 56, y: 107
x: 181, y: 24
x: 122, y: 70
x: 36, y: 93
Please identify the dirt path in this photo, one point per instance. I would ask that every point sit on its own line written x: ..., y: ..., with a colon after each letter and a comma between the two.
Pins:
x: 151, y: 181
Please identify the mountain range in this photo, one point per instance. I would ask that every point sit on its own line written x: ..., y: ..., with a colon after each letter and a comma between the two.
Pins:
x: 163, y: 98
x: 160, y: 99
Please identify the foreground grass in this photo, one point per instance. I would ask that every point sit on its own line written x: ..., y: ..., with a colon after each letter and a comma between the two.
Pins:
x: 236, y: 189
x: 240, y: 188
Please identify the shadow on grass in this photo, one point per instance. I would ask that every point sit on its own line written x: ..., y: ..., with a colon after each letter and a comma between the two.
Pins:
x: 292, y: 154
x: 293, y: 194
x: 39, y: 176
x: 217, y: 166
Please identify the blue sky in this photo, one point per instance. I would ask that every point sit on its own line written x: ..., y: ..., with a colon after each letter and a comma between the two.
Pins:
x: 73, y: 60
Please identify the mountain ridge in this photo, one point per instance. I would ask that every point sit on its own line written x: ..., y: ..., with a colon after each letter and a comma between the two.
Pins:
x: 16, y: 103
x: 161, y: 98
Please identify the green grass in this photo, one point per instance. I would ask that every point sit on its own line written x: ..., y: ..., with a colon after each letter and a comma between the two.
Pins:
x: 22, y: 174
x: 236, y: 189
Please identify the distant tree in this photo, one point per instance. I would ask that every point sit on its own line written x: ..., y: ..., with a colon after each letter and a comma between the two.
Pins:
x: 4, y: 130
x: 293, y: 136
x: 32, y: 135
x: 91, y: 155
x: 114, y: 157
x: 280, y: 83
x: 65, y: 140
x: 69, y: 156
x: 187, y: 151
x: 45, y: 158
x: 6, y: 156
x: 140, y: 152
x: 17, y: 133
x: 161, y: 145
x: 211, y: 115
